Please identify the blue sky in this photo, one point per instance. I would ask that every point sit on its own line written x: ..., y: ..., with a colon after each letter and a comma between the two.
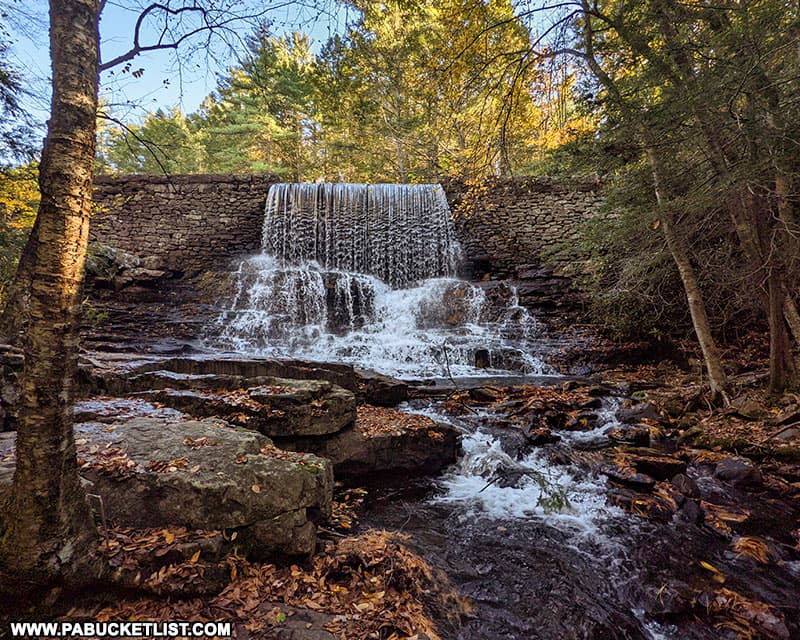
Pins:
x: 169, y: 78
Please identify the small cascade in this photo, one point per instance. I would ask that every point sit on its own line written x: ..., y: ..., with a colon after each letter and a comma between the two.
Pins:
x: 364, y: 274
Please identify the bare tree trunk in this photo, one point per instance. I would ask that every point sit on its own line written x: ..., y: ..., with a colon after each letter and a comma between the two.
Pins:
x: 792, y: 316
x: 694, y: 296
x: 48, y: 531
x: 780, y: 362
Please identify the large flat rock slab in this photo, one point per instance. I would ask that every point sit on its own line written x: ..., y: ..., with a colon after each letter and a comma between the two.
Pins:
x: 202, y: 474
x: 385, y: 441
x: 278, y: 407
x: 120, y: 374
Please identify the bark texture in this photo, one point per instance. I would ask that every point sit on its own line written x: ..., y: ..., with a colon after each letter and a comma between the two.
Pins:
x: 48, y: 531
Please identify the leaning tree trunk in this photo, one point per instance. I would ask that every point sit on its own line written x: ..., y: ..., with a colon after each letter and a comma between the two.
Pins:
x: 48, y: 532
x: 694, y: 296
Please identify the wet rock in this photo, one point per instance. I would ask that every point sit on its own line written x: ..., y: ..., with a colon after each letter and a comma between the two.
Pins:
x: 585, y: 421
x: 657, y: 466
x: 384, y: 440
x: 628, y: 478
x: 686, y: 485
x: 738, y: 471
x: 378, y: 389
x: 512, y: 439
x: 99, y: 376
x: 690, y: 512
x: 541, y: 436
x: 645, y: 505
x: 594, y: 403
x: 634, y: 436
x: 636, y: 413
x: 154, y: 472
x: 485, y: 394
x: 279, y: 408
x: 670, y: 601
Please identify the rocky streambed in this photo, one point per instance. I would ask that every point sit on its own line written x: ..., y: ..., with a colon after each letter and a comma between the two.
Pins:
x: 562, y: 521
x: 560, y: 508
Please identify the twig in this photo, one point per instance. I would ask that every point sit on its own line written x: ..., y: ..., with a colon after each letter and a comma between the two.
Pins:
x: 782, y: 429
x: 456, y: 388
x: 103, y: 519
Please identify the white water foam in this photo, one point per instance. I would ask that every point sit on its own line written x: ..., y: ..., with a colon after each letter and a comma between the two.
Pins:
x: 364, y: 274
x: 540, y: 490
x: 434, y: 329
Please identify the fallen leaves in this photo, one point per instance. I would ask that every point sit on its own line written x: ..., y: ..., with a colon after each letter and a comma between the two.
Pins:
x: 748, y: 618
x: 346, y: 505
x: 367, y: 586
x: 109, y: 460
x: 380, y: 421
x: 752, y: 547
x: 166, y: 466
x: 199, y: 442
x: 719, y: 517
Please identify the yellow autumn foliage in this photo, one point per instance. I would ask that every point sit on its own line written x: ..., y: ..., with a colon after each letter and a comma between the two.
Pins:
x: 19, y: 201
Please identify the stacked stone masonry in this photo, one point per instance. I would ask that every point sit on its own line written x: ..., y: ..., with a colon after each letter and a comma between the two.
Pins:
x: 198, y: 222
x: 192, y: 223
x: 512, y: 221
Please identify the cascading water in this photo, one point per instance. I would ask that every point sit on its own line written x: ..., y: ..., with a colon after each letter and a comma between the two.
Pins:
x: 366, y: 274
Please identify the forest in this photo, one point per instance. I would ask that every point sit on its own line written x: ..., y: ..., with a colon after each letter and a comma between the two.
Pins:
x: 520, y: 295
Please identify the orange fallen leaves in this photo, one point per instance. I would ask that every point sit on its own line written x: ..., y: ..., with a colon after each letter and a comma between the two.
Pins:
x: 366, y: 586
x: 380, y: 421
x: 166, y: 466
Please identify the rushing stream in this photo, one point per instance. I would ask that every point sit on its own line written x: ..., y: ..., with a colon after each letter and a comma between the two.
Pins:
x: 543, y: 555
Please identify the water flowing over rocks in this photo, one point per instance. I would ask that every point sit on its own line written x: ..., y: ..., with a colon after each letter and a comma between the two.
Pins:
x: 562, y: 508
x: 364, y: 274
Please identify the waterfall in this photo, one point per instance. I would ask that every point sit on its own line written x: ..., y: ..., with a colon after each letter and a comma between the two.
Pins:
x: 365, y: 274
x: 398, y: 233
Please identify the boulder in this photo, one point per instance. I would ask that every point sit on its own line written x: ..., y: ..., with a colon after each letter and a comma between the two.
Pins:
x: 384, y: 440
x: 541, y: 436
x: 627, y: 477
x: 686, y: 485
x: 738, y: 471
x: 634, y: 436
x: 278, y: 408
x: 381, y: 390
x: 660, y: 467
x: 157, y: 472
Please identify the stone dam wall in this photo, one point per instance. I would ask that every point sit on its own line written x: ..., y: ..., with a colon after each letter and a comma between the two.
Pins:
x: 193, y: 223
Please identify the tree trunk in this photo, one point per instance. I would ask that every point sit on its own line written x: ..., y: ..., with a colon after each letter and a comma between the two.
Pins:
x: 697, y: 309
x: 48, y: 531
x: 694, y: 296
x: 780, y: 361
